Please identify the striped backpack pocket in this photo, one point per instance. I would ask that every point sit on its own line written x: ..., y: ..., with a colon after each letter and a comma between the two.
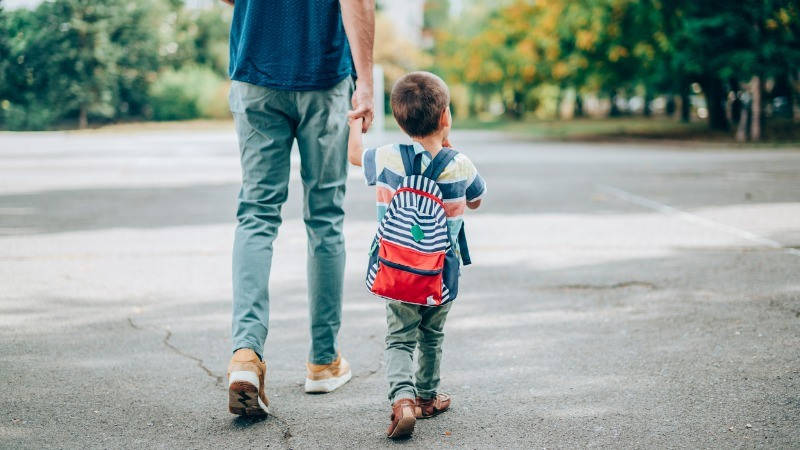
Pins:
x: 412, y: 259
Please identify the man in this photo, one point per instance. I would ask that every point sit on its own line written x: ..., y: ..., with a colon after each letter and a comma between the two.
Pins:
x: 292, y: 64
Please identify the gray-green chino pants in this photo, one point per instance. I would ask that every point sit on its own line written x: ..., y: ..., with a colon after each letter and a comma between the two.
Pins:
x: 409, y: 327
x: 267, y: 123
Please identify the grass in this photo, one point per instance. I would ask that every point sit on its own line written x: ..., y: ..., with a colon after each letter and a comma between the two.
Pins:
x: 591, y: 128
x: 776, y: 131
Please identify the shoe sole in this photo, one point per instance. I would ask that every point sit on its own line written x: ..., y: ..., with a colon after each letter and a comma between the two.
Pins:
x: 404, y: 428
x: 327, y: 385
x: 243, y: 400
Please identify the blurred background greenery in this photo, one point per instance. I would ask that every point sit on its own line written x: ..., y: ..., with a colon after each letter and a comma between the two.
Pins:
x: 557, y: 68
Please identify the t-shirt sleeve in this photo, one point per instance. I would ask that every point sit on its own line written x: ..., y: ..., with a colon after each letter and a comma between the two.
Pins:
x: 369, y: 164
x: 476, y: 186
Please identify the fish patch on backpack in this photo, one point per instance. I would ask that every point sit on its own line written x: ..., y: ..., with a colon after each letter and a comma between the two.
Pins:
x: 412, y: 258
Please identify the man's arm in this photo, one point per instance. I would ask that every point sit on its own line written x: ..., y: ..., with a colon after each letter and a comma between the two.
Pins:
x: 355, y: 148
x: 358, y: 17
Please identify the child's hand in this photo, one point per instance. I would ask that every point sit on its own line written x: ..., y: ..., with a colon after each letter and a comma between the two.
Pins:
x: 355, y: 122
x: 355, y: 148
x: 474, y: 204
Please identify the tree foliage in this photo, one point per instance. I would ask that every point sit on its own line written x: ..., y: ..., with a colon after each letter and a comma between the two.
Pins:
x: 608, y: 46
x: 82, y: 61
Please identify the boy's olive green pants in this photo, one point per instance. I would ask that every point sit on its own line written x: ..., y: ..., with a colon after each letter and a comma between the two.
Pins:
x: 267, y: 123
x: 409, y: 327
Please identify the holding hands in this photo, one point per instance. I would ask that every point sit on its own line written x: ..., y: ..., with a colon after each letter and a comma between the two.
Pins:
x: 363, y: 105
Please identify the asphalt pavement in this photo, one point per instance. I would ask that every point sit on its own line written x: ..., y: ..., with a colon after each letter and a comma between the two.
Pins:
x: 629, y: 295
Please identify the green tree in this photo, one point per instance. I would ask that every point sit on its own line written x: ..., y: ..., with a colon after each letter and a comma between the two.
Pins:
x: 612, y: 46
x: 82, y: 60
x: 5, y: 49
x: 197, y: 37
x: 721, y: 45
x: 5, y: 55
x: 615, y: 42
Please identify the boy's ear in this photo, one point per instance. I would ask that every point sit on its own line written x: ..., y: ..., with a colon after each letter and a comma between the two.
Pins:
x: 446, y: 119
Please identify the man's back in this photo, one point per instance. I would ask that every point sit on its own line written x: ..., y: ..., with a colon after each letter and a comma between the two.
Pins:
x: 293, y: 45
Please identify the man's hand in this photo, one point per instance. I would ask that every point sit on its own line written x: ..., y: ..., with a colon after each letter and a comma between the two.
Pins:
x: 358, y: 18
x: 363, y: 103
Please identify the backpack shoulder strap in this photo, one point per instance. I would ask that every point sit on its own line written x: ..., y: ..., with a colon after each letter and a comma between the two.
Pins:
x: 462, y: 246
x: 438, y: 164
x: 411, y: 162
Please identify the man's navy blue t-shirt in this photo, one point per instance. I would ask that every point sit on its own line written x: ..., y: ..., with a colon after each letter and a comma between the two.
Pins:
x: 296, y: 45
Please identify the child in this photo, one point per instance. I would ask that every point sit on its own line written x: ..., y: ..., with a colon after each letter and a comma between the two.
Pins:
x: 419, y: 103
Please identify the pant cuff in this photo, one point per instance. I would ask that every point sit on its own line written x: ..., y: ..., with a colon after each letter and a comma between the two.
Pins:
x: 259, y: 349
x: 404, y: 394
x: 322, y: 360
x: 426, y: 394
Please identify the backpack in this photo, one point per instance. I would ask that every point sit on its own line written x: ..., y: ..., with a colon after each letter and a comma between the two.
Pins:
x: 412, y: 259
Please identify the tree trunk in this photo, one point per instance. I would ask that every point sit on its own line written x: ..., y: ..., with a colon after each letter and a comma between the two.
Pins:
x: 515, y: 107
x: 737, y: 105
x: 670, y: 108
x: 755, y: 124
x: 686, y: 105
x: 83, y: 117
x: 472, y: 99
x: 614, y: 111
x: 715, y: 102
x: 789, y: 97
x: 578, y: 105
x: 559, y: 101
x: 783, y: 89
x: 740, y: 114
x: 792, y: 80
x: 646, y: 111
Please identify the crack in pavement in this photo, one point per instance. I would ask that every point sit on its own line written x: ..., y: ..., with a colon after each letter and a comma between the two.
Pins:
x: 218, y: 379
x: 287, y: 432
x: 370, y: 372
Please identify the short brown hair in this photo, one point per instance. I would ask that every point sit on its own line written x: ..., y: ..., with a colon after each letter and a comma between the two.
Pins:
x: 418, y: 101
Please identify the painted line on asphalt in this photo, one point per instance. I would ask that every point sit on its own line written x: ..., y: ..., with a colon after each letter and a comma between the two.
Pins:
x: 693, y: 218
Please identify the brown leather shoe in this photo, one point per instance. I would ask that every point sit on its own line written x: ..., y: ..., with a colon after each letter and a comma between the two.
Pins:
x: 432, y: 406
x: 246, y: 374
x: 403, y: 419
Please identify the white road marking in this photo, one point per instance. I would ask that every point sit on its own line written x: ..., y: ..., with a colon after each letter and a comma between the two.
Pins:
x: 693, y: 218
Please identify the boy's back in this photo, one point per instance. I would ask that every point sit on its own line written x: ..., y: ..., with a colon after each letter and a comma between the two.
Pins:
x: 459, y: 182
x: 420, y: 104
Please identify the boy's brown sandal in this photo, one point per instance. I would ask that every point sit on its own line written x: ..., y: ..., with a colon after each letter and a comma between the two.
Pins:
x: 433, y: 406
x: 403, y: 419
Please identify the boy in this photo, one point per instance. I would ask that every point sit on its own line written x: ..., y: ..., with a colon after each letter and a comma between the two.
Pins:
x: 420, y: 105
